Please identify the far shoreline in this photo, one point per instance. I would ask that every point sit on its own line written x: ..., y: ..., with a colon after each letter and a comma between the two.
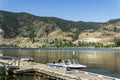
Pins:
x: 62, y: 48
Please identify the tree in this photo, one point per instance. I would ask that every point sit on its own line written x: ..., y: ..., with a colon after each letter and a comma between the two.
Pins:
x: 32, y: 34
x: 117, y: 42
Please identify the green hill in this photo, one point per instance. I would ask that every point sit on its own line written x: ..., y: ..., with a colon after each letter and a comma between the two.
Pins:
x: 16, y: 29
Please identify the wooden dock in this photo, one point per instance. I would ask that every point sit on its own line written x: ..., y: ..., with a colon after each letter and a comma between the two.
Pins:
x: 53, y: 72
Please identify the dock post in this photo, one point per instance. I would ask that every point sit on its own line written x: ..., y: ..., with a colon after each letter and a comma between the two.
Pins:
x: 18, y: 62
x: 5, y: 70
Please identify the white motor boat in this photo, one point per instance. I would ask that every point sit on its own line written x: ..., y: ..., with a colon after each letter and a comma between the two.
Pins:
x: 71, y: 64
x: 27, y: 59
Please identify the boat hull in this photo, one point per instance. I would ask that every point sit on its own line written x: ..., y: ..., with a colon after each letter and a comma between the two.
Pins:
x: 67, y: 66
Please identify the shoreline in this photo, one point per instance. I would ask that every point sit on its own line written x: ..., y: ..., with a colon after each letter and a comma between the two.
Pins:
x: 65, y: 48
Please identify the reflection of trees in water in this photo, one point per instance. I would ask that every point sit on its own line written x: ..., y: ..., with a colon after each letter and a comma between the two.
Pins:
x: 116, y: 63
x: 92, y: 58
x: 101, y: 60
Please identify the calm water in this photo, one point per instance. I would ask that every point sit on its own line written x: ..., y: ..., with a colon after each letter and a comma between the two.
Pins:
x: 103, y: 61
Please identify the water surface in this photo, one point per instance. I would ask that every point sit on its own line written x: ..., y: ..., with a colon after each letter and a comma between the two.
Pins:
x: 98, y: 60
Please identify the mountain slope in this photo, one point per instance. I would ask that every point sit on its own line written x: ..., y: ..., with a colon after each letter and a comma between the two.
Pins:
x: 35, y: 31
x: 9, y: 20
x: 105, y: 34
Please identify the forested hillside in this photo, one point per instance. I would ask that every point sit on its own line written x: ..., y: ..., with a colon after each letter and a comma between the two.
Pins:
x: 27, y: 30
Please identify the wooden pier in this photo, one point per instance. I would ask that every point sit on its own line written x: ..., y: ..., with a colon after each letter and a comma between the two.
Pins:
x: 52, y: 72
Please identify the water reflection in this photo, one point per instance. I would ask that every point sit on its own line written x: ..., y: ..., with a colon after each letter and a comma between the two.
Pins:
x: 97, y: 59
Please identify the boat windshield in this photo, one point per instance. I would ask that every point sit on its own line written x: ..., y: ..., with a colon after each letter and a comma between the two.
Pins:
x: 74, y: 61
x: 68, y: 62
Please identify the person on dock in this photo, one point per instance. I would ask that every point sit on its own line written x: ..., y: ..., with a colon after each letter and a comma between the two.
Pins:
x: 59, y: 61
x: 53, y: 62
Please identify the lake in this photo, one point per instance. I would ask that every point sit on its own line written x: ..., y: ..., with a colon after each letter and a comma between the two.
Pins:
x: 98, y: 60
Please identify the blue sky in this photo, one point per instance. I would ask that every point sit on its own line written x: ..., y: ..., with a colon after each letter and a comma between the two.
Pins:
x: 76, y: 10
